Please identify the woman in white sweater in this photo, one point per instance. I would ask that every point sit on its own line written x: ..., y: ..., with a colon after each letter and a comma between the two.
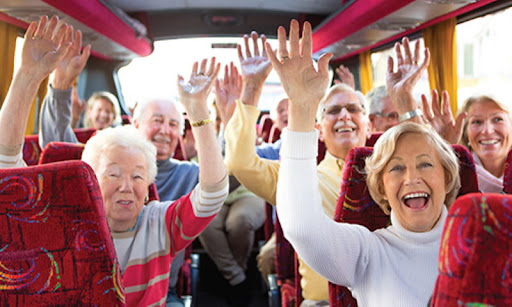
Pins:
x: 413, y: 174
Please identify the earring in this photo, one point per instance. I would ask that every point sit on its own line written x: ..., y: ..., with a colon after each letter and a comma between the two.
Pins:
x: 146, y: 199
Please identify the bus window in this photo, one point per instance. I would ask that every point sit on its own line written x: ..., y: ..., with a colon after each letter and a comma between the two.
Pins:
x: 155, y: 75
x: 484, y: 63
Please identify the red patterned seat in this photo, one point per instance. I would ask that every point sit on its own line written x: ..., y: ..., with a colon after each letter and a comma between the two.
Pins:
x: 507, y: 175
x: 84, y: 134
x: 31, y: 149
x: 56, y: 247
x: 264, y: 126
x: 374, y: 136
x: 355, y: 206
x: 475, y: 259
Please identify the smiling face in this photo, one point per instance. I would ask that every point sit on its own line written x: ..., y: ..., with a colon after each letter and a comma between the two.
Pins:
x: 344, y: 124
x: 282, y: 114
x: 123, y: 178
x: 489, y: 131
x: 160, y: 124
x: 414, y: 183
x: 387, y: 118
x: 101, y: 114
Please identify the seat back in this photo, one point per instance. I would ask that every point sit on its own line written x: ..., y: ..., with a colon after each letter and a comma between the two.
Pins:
x: 264, y: 126
x: 355, y: 205
x: 62, y: 151
x: 31, y: 149
x: 374, y: 136
x: 507, y: 175
x: 475, y: 258
x: 84, y: 134
x: 56, y: 247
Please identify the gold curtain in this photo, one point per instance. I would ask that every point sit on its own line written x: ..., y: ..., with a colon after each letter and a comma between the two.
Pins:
x: 365, y: 71
x: 442, y: 71
x: 8, y: 35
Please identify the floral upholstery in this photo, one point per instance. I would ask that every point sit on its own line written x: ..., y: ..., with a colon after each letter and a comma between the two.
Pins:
x: 356, y: 206
x: 56, y: 247
x: 475, y: 258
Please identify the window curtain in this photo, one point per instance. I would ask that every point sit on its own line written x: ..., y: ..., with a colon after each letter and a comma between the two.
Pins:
x: 365, y: 69
x: 442, y: 71
x: 8, y: 35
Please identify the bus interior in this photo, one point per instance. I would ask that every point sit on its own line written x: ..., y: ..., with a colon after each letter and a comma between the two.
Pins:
x: 125, y: 34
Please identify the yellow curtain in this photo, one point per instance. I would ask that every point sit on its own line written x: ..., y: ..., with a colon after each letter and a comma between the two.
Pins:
x: 8, y: 35
x: 442, y: 71
x: 365, y: 71
x: 33, y: 116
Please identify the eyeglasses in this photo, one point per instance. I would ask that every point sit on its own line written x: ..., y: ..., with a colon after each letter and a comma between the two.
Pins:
x: 390, y: 116
x: 336, y: 109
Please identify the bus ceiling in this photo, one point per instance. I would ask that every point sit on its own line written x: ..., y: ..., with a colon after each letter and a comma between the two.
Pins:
x: 124, y: 29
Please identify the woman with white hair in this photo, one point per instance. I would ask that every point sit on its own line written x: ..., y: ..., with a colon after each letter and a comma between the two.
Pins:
x: 413, y: 175
x: 147, y: 235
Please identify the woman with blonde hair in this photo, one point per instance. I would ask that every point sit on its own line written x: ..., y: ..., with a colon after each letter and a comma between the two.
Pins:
x: 413, y: 175
x: 487, y: 133
x: 102, y: 111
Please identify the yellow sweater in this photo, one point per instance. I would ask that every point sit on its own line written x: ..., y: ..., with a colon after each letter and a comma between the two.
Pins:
x: 260, y: 176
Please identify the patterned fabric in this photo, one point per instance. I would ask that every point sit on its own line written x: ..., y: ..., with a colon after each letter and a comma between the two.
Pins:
x: 475, y: 259
x: 63, y: 151
x: 507, y: 175
x: 355, y: 205
x: 84, y: 134
x: 31, y: 149
x: 55, y: 244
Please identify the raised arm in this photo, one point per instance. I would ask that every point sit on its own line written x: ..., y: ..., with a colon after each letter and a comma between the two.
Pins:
x: 345, y: 76
x: 400, y: 84
x: 256, y: 174
x: 440, y: 116
x: 193, y: 95
x: 227, y: 91
x: 42, y: 51
x: 56, y: 117
x: 334, y: 250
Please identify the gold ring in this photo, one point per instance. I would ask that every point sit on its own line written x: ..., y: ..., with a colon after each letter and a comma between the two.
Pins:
x: 285, y: 57
x: 415, y: 62
x: 200, y: 74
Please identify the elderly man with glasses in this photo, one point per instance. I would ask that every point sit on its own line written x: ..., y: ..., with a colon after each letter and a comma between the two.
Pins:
x: 382, y: 113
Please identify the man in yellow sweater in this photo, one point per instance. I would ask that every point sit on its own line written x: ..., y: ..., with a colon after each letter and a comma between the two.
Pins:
x: 343, y: 124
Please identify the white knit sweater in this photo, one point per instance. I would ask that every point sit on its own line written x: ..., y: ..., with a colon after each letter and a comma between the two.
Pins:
x: 388, y: 267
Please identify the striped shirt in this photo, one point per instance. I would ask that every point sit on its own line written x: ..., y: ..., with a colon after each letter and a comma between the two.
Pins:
x: 145, y: 252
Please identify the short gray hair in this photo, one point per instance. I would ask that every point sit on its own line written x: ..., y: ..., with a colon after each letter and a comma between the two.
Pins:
x: 336, y: 89
x: 141, y: 107
x: 375, y: 97
x: 125, y: 136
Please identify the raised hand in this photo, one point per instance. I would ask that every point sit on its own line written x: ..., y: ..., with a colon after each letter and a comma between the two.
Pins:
x: 345, y: 76
x: 73, y: 62
x: 303, y: 83
x: 401, y: 83
x: 193, y: 94
x: 255, y: 65
x: 43, y: 48
x: 440, y: 117
x: 227, y: 91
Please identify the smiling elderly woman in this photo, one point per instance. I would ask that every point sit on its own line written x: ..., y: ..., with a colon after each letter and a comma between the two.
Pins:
x: 413, y: 174
x: 146, y: 235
